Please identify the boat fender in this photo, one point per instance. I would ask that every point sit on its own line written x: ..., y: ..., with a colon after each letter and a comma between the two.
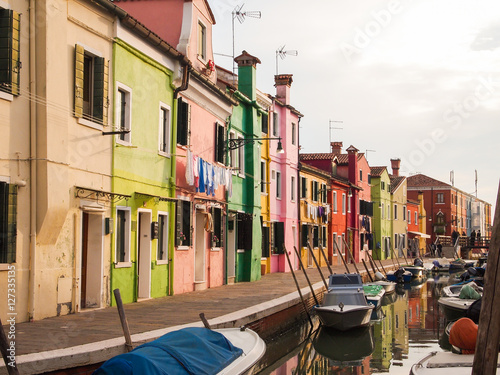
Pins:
x: 379, y: 276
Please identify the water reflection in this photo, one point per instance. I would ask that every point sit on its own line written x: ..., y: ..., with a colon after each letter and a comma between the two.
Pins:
x: 407, y: 327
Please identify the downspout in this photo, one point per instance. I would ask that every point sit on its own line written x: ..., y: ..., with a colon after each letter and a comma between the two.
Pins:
x: 33, y: 166
x: 184, y: 85
x: 299, y: 222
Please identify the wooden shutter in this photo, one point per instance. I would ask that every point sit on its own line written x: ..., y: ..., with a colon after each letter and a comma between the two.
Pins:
x: 100, y: 105
x: 265, y: 242
x: 178, y: 223
x: 248, y: 233
x: 304, y: 234
x: 10, y: 63
x: 219, y: 142
x: 279, y: 233
x: 183, y: 120
x: 79, y: 80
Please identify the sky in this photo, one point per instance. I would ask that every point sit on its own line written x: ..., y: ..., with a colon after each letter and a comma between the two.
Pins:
x: 407, y: 79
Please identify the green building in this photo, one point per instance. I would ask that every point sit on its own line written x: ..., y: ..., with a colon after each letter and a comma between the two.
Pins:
x: 381, y: 198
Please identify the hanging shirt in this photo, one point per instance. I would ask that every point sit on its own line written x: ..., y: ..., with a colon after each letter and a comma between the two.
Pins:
x: 189, y: 168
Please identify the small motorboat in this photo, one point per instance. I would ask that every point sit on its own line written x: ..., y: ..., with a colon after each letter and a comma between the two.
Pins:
x: 454, y: 308
x: 344, y: 303
x: 195, y: 350
x: 438, y: 363
x: 400, y: 276
x: 455, y: 289
x: 374, y: 294
x: 389, y: 286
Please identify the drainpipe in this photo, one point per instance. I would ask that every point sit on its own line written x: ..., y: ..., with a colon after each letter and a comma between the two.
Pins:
x: 33, y: 166
x: 299, y: 222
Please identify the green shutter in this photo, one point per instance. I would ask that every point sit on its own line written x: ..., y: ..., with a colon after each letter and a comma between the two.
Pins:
x: 10, y: 63
x: 178, y: 223
x: 100, y: 104
x: 79, y: 80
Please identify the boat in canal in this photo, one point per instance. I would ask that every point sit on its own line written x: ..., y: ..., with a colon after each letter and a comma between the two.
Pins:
x: 344, y: 304
x: 400, y: 276
x: 389, y: 286
x: 374, y: 294
x: 441, y: 363
x: 195, y: 350
x: 454, y: 308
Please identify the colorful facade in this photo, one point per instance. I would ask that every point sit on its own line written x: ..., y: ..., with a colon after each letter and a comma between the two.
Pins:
x: 381, y: 197
x: 398, y: 210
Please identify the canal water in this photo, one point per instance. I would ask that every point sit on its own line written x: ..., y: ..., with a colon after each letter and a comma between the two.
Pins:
x: 408, y: 326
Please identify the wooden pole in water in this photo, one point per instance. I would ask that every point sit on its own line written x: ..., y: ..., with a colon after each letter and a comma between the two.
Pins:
x: 381, y: 265
x: 317, y: 265
x: 298, y: 286
x: 488, y: 335
x: 326, y: 259
x: 341, y: 257
x: 8, y: 356
x: 305, y: 274
x: 352, y: 257
x: 394, y: 255
x: 368, y: 272
x: 123, y: 320
x: 205, y: 321
x: 372, y: 262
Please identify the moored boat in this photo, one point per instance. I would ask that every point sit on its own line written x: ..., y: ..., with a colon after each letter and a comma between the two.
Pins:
x: 199, y: 350
x: 400, y: 276
x: 389, y: 286
x: 344, y: 304
x: 374, y: 294
x: 442, y: 363
x: 454, y: 308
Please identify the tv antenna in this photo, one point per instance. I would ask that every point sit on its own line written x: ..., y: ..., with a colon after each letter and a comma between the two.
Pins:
x: 281, y: 52
x: 366, y: 153
x: 330, y: 127
x: 240, y: 15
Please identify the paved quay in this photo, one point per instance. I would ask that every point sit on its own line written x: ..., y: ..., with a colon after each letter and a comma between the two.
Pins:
x: 92, y: 336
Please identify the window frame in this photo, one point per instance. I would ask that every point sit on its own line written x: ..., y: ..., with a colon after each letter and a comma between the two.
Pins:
x: 294, y: 135
x: 263, y: 177
x: 126, y: 262
x: 126, y: 138
x: 202, y: 42
x: 292, y: 188
x: 439, y: 198
x: 8, y: 223
x: 11, y: 66
x: 335, y: 206
x: 164, y: 127
x: 220, y: 143
x: 395, y: 217
x: 344, y: 204
x: 183, y: 122
x: 162, y: 238
x: 303, y: 187
x: 183, y: 226
x: 278, y: 185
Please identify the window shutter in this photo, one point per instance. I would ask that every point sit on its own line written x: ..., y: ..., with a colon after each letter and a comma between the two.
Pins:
x: 190, y: 218
x: 79, y: 79
x: 10, y: 63
x: 183, y: 122
x: 304, y: 235
x: 219, y: 145
x: 12, y: 224
x: 265, y: 242
x: 100, y: 97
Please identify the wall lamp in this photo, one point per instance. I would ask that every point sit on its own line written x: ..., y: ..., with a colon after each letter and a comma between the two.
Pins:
x: 234, y: 143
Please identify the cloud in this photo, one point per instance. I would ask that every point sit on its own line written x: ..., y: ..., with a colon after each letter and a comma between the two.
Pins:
x: 487, y: 39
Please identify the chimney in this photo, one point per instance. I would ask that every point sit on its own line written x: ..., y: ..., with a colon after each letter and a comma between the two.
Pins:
x: 283, y: 82
x: 395, y: 163
x: 353, y: 172
x: 247, y: 74
x: 336, y: 147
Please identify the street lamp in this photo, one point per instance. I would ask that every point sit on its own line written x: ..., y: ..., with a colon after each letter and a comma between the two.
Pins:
x: 234, y: 143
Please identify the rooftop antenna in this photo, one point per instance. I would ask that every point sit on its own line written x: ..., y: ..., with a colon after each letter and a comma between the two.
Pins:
x: 240, y: 15
x: 366, y: 153
x: 475, y: 180
x: 330, y: 127
x: 282, y: 54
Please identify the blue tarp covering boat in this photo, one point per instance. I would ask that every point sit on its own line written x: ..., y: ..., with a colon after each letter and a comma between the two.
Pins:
x: 190, y: 350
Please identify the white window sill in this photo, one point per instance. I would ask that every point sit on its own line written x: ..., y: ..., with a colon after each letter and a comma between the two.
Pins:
x: 160, y: 262
x: 240, y: 251
x: 215, y: 249
x: 90, y: 124
x: 6, y: 96
x: 123, y: 265
x: 123, y: 143
x: 164, y: 154
x: 183, y: 248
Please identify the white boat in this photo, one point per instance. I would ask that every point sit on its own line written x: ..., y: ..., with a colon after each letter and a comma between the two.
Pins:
x: 454, y: 308
x: 225, y: 351
x: 344, y: 304
x: 454, y: 290
x: 444, y: 363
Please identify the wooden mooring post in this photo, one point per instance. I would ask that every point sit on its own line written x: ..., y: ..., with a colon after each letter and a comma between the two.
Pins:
x: 488, y: 335
x: 368, y: 272
x: 352, y: 257
x: 317, y: 265
x: 341, y: 257
x: 306, y: 276
x: 123, y: 319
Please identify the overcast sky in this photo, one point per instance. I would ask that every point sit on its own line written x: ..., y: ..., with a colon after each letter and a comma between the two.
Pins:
x: 415, y: 80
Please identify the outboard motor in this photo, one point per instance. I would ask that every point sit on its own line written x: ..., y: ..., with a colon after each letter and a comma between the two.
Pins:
x: 399, y: 274
x: 379, y: 276
x: 418, y: 262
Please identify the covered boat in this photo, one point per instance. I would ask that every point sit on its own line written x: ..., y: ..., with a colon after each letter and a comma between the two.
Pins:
x: 374, y: 294
x: 344, y: 304
x: 192, y: 350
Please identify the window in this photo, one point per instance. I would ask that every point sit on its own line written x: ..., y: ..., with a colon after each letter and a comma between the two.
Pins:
x: 183, y: 122
x: 10, y: 62
x: 294, y: 135
x: 324, y: 236
x: 164, y: 141
x: 314, y: 191
x: 304, y: 235
x: 275, y: 124
x: 217, y: 229
x: 265, y: 241
x: 263, y: 177
x: 343, y: 204
x: 349, y: 204
x: 335, y: 243
x: 360, y: 175
x: 123, y: 113
x: 183, y: 224
x: 233, y: 162
x: 416, y: 218
x: 439, y: 198
x: 323, y: 193
x: 244, y: 231
x: 278, y: 185
x: 409, y: 217
x: 91, y: 86
x: 202, y: 41
x: 8, y: 222
x: 162, y: 251
x: 265, y: 123
x: 220, y: 142
x: 303, y: 187
x: 315, y: 236
x: 404, y: 213
x: 388, y: 212
x: 382, y: 185
x: 334, y: 202
x: 292, y: 188
x: 122, y: 239
x: 241, y: 159
x: 343, y: 243
x: 395, y: 212
x: 369, y: 179
x: 383, y: 211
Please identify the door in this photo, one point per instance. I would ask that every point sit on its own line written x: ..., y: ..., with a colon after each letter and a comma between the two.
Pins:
x: 199, y: 248
x: 231, y: 249
x: 91, y: 260
x: 144, y: 255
